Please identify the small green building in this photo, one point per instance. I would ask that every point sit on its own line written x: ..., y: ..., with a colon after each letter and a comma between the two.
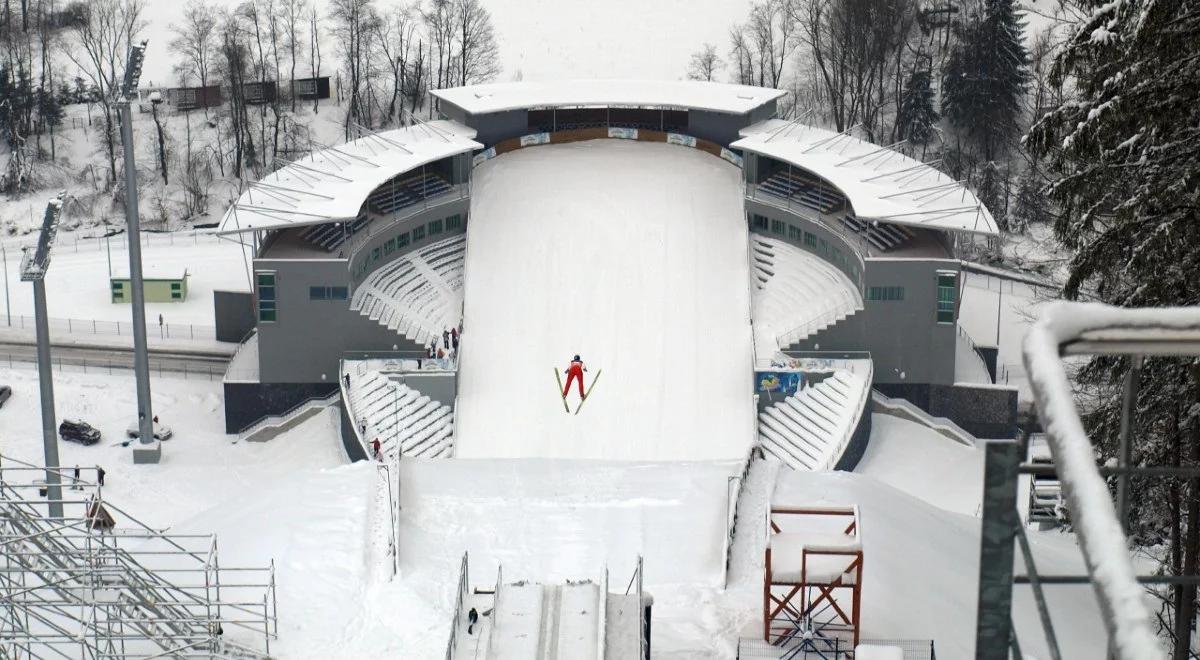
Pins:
x: 158, y: 288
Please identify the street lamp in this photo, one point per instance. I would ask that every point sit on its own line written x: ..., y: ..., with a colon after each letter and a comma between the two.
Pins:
x: 148, y: 449
x: 33, y: 269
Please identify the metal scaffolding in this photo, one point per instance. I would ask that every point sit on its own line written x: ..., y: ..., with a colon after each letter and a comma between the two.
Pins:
x: 96, y: 583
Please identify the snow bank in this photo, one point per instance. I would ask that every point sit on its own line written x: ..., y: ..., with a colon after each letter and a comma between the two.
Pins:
x: 925, y: 464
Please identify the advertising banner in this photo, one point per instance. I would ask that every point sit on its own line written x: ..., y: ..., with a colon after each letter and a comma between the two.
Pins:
x: 777, y: 384
x: 731, y: 157
x: 535, y: 138
x: 622, y: 133
x: 682, y: 140
x: 485, y: 155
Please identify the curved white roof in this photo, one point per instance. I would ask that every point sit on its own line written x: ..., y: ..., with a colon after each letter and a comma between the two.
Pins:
x: 332, y: 184
x: 881, y: 183
x: 691, y: 94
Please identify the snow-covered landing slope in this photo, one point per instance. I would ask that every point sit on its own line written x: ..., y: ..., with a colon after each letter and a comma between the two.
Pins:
x: 796, y: 295
x: 632, y: 255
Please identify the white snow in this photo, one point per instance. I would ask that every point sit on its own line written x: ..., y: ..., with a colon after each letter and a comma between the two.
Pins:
x: 691, y: 94
x: 632, y: 255
x: 860, y: 170
x: 905, y: 455
x: 344, y: 175
x: 77, y: 284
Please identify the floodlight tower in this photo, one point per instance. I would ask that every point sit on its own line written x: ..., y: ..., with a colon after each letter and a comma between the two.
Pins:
x: 148, y: 449
x: 33, y: 269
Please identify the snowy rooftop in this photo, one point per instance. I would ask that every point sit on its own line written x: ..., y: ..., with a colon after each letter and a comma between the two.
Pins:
x: 881, y: 183
x: 690, y: 94
x: 333, y: 183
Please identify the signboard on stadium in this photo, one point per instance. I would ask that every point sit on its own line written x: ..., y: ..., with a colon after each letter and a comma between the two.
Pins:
x: 485, y: 155
x: 682, y: 140
x: 622, y: 133
x: 535, y: 138
x: 781, y: 383
x: 731, y: 157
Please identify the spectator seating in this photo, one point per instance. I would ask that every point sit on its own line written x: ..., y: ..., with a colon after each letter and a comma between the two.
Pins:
x: 406, y: 190
x: 401, y: 418
x: 796, y: 294
x: 331, y: 235
x: 810, y: 429
x: 419, y: 294
x: 804, y: 190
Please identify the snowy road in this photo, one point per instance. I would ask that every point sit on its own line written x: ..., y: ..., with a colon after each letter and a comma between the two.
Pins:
x: 632, y: 255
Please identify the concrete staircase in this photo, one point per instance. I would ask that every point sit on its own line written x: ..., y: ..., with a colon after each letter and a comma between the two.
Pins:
x: 811, y: 429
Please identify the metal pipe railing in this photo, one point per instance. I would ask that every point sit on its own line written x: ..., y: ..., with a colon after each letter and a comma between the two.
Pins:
x: 1093, y: 329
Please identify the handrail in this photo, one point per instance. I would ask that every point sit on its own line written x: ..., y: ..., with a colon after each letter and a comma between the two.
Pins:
x: 860, y: 408
x: 452, y: 644
x: 1091, y: 328
x: 262, y: 422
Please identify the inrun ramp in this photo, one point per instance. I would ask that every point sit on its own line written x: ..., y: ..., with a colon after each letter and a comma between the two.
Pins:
x: 633, y: 255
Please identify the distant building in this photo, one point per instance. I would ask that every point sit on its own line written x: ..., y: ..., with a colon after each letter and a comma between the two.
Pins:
x: 308, y: 89
x: 257, y: 93
x: 158, y: 287
x: 194, y: 98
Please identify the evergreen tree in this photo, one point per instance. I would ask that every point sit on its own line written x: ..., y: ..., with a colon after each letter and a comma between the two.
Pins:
x: 986, y: 76
x: 989, y: 188
x: 1125, y: 171
x: 917, y: 115
x: 1031, y: 205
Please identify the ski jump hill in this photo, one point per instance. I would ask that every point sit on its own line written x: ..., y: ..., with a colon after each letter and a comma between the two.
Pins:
x: 744, y: 281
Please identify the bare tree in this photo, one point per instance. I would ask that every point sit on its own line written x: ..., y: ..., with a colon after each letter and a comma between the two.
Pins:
x: 196, y: 42
x: 478, y: 54
x: 353, y: 24
x: 394, y: 36
x: 102, y: 34
x: 740, y: 56
x: 441, y: 24
x: 293, y: 12
x: 314, y: 52
x: 771, y: 34
x: 704, y: 64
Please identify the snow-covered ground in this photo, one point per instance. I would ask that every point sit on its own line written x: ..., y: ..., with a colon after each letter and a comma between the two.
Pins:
x: 77, y: 285
x: 904, y: 454
x: 632, y: 255
x: 1018, y: 306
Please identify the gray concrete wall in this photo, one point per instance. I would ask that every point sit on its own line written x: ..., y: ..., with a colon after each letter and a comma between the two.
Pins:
x: 984, y: 411
x: 233, y: 313
x: 718, y: 127
x: 496, y: 126
x: 906, y: 342
x: 246, y: 403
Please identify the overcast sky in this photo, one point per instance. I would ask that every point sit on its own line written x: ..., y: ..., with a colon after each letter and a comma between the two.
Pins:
x: 547, y: 39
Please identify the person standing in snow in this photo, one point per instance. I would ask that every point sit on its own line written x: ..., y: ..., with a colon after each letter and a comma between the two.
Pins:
x: 99, y: 475
x: 575, y: 371
x: 375, y: 449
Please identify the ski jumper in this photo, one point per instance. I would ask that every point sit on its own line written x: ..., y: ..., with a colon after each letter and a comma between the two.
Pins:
x: 575, y: 371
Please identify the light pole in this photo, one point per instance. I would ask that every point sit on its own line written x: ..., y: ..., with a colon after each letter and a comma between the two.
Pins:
x: 148, y: 449
x: 7, y: 305
x: 33, y: 269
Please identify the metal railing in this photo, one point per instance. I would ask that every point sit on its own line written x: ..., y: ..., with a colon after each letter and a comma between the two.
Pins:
x: 1078, y: 329
x: 172, y: 331
x: 168, y: 367
x: 277, y: 419
x: 459, y: 601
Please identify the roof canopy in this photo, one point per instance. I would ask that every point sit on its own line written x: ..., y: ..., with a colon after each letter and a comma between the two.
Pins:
x: 881, y: 183
x: 332, y: 184
x: 690, y: 94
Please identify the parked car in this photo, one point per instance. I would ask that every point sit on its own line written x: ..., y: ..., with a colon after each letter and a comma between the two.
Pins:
x: 5, y: 392
x: 76, y: 430
x: 161, y: 431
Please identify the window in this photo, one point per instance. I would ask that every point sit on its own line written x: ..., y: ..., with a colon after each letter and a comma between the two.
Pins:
x: 794, y: 233
x: 824, y: 249
x: 418, y: 233
x: 266, y: 297
x: 402, y: 240
x: 176, y: 295
x: 375, y: 254
x: 947, y: 290
x: 339, y: 293
x: 435, y: 227
x: 454, y: 222
x: 759, y: 222
x: 118, y: 292
x: 318, y: 293
x: 777, y: 227
x: 176, y: 286
x: 390, y: 246
x: 810, y: 240
x: 885, y: 293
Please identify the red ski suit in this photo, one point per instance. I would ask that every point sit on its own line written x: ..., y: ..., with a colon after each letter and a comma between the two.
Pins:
x: 575, y: 371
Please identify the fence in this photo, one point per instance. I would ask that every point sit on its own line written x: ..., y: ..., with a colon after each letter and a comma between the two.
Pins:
x: 69, y: 242
x: 757, y: 649
x: 176, y: 368
x: 176, y: 331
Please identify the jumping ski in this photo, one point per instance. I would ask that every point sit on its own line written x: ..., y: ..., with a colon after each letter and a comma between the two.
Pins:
x: 589, y: 391
x: 561, y: 391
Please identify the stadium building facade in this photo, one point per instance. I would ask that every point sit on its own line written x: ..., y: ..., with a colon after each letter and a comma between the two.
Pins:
x: 358, y: 257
